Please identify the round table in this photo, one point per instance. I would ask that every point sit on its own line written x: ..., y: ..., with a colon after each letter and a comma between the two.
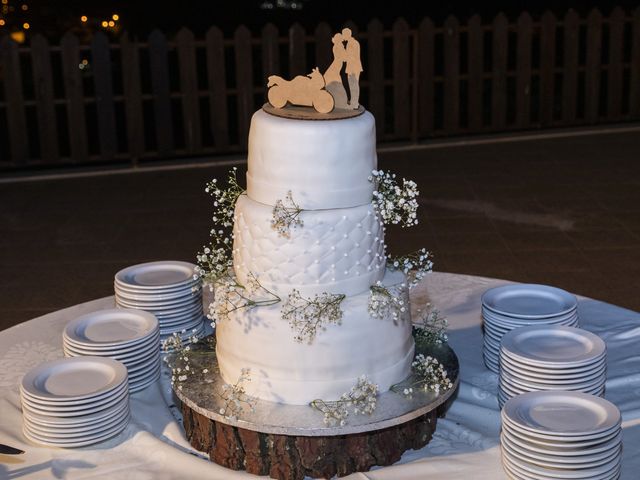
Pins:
x: 465, y: 444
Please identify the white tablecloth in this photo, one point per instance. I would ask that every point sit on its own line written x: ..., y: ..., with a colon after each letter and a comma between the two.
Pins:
x: 464, y: 446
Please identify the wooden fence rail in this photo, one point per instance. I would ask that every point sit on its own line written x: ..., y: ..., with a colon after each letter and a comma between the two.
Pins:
x: 156, y: 98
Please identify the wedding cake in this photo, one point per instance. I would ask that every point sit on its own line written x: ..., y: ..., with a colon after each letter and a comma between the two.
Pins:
x: 334, y: 249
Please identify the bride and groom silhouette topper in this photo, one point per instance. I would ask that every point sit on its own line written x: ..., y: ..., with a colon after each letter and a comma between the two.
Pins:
x: 323, y: 92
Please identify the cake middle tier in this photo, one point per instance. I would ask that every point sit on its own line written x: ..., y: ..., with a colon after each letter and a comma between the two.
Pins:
x: 333, y: 251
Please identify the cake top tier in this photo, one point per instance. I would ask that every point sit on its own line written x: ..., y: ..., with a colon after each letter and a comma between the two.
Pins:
x: 325, y: 164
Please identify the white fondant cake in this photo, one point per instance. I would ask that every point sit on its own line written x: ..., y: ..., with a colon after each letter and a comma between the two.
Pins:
x: 286, y: 371
x: 338, y: 249
x: 334, y: 251
x: 325, y: 164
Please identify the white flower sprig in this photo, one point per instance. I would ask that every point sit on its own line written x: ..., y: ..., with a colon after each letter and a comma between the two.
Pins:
x: 215, y: 260
x: 428, y: 374
x: 394, y: 203
x: 432, y: 329
x: 361, y: 399
x: 385, y: 302
x: 230, y: 296
x: 307, y: 315
x: 286, y: 215
x: 414, y: 265
x: 178, y: 356
x: 235, y: 396
x: 224, y: 199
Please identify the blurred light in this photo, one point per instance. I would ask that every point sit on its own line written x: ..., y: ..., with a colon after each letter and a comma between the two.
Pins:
x: 112, y: 23
x: 85, y: 61
x: 83, y: 18
x: 2, y: 22
x: 18, y: 36
x: 25, y: 7
x: 105, y: 24
x: 115, y: 16
x: 26, y: 26
x: 4, y: 2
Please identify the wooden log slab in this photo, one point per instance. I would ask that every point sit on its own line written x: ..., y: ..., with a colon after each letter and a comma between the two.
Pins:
x: 287, y: 457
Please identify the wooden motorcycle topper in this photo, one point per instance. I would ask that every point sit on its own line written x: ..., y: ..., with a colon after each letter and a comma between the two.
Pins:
x: 323, y: 92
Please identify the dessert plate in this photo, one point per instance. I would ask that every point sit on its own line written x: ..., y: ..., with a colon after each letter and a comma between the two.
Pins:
x: 74, y: 378
x: 529, y: 301
x: 109, y: 328
x: 152, y: 275
x: 548, y: 345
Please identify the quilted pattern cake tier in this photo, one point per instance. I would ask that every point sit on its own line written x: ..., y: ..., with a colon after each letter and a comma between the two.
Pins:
x: 334, y: 251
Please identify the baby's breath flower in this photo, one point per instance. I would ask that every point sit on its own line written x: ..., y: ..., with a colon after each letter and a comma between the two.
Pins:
x: 427, y: 374
x: 286, y: 215
x: 308, y: 315
x: 432, y: 328
x: 395, y: 204
x: 235, y: 396
x: 415, y: 265
x: 361, y: 399
x: 387, y: 302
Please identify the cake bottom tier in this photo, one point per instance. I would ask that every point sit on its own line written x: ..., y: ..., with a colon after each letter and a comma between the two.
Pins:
x: 286, y: 371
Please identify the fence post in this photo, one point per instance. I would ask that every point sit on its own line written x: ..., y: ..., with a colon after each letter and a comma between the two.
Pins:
x: 322, y: 37
x: 523, y: 71
x: 634, y: 94
x: 401, y: 92
x: 425, y: 68
x: 593, y: 65
x: 189, y: 89
x: 615, y: 70
x: 46, y: 112
x: 547, y: 66
x: 375, y: 51
x: 101, y: 56
x: 74, y: 95
x: 499, y: 81
x: 130, y: 61
x: 17, y: 124
x: 451, y: 74
x: 270, y: 52
x: 475, y: 67
x: 216, y: 76
x: 570, y: 70
x: 297, y: 51
x: 161, y: 92
x: 244, y: 78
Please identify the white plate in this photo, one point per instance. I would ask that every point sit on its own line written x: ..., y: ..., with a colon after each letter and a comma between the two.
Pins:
x: 538, y: 373
x: 83, y: 431
x: 509, y: 324
x: 587, y: 473
x: 89, y: 440
x: 520, y: 474
x: 142, y: 385
x: 158, y: 290
x: 111, y: 328
x: 553, y: 345
x: 133, y: 295
x: 534, y: 447
x: 558, y: 461
x: 519, y: 382
x: 122, y: 355
x: 514, y: 390
x: 74, y: 378
x: 562, y: 443
x: 54, y: 404
x: 152, y: 275
x: 52, y: 424
x: 150, y: 304
x: 529, y: 301
x: 89, y: 409
x: 551, y: 379
x: 562, y: 413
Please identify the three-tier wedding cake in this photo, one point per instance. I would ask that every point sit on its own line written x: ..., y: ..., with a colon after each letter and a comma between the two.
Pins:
x: 335, y: 249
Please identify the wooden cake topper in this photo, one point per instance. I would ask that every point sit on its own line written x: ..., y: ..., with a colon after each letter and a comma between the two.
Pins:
x: 327, y: 93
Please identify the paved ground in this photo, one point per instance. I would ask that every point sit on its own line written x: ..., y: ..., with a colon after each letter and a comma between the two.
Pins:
x: 561, y: 211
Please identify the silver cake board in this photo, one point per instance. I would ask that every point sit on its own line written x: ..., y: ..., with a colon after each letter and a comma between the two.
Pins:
x: 293, y: 441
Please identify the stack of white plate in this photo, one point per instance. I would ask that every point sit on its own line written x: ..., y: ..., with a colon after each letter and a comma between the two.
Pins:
x: 129, y: 336
x: 170, y: 290
x: 75, y: 402
x: 564, y: 435
x: 513, y: 306
x: 551, y: 357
